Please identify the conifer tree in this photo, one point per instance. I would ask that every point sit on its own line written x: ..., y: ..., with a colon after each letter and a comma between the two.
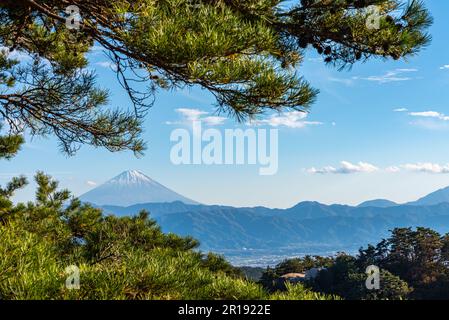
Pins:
x: 245, y: 52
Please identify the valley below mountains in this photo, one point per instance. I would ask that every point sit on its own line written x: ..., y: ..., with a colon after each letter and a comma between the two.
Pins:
x: 247, y: 234
x: 261, y: 236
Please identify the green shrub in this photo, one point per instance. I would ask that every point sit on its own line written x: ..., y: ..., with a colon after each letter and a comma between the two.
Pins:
x: 118, y: 258
x: 299, y: 292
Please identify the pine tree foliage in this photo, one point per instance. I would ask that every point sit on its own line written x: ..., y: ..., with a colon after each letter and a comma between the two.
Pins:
x: 247, y: 53
x: 10, y: 145
x: 117, y: 258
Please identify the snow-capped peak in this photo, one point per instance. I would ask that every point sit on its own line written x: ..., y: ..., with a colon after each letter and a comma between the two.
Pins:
x: 132, y: 187
x: 131, y: 177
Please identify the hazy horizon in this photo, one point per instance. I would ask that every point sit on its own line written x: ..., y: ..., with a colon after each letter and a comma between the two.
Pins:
x: 367, y: 137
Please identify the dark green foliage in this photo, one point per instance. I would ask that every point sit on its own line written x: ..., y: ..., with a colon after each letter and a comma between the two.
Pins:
x: 270, y: 277
x: 217, y: 263
x: 343, y: 275
x: 246, y: 53
x: 391, y: 288
x: 299, y: 265
x: 66, y: 105
x: 10, y: 145
x: 7, y: 208
x: 417, y: 256
x: 347, y: 276
x: 14, y: 185
x: 252, y: 273
x: 118, y: 258
x: 414, y: 264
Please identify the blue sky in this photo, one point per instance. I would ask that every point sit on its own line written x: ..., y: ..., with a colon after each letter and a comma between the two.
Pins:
x: 380, y: 130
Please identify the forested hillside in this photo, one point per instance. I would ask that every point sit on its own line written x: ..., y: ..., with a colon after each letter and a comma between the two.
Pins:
x: 411, y: 264
x: 117, y: 258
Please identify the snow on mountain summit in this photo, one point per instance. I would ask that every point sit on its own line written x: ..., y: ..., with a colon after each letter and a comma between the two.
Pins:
x: 132, y: 177
x: 132, y: 187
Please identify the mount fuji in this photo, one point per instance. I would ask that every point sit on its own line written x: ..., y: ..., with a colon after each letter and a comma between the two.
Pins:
x: 130, y: 188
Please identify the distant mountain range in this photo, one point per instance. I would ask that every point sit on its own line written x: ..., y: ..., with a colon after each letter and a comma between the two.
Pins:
x: 378, y: 203
x: 132, y: 187
x: 308, y: 227
x: 437, y: 197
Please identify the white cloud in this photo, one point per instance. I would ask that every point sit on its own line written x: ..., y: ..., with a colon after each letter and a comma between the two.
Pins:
x: 214, y: 120
x: 363, y: 167
x: 391, y: 76
x: 407, y: 70
x: 91, y: 183
x: 427, y: 168
x: 392, y: 169
x: 292, y: 119
x: 400, y: 110
x: 191, y: 115
x: 396, y: 75
x: 430, y: 120
x: 445, y: 67
x: 430, y: 114
x: 346, y: 168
